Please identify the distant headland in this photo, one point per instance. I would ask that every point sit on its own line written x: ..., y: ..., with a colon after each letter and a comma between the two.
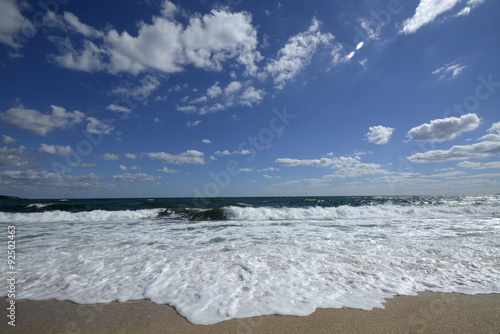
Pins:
x: 9, y: 197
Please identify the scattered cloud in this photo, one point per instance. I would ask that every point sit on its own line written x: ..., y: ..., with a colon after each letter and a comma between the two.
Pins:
x: 206, y: 141
x: 41, y: 124
x: 444, y: 129
x: 97, y: 126
x: 12, y: 22
x: 129, y: 177
x: 458, y: 152
x: 55, y: 149
x: 188, y: 157
x: 478, y: 165
x: 165, y: 44
x: 168, y: 171
x: 110, y: 156
x: 428, y: 10
x: 246, y: 169
x: 30, y: 180
x: 13, y: 157
x: 296, y: 54
x: 379, y: 134
x: 131, y: 156
x: 9, y: 140
x: 449, y: 71
x: 345, y: 166
x: 425, y: 13
x: 114, y: 107
x: 195, y: 123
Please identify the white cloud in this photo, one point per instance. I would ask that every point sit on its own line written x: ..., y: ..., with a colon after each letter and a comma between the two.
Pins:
x: 147, y: 85
x: 195, y: 123
x: 9, y: 139
x: 165, y: 44
x: 188, y: 157
x: 458, y: 152
x: 13, y: 157
x: 379, y: 134
x: 206, y: 141
x: 270, y: 177
x: 233, y: 87
x: 131, y: 156
x: 168, y: 171
x: 246, y: 170
x: 122, y: 168
x: 425, y: 13
x: 222, y: 153
x: 214, y: 90
x: 345, y: 166
x: 270, y: 169
x: 96, y: 126
x: 129, y: 177
x: 40, y: 124
x: 449, y: 72
x: 444, y: 129
x: 12, y: 22
x: 186, y: 109
x: 30, y: 179
x: 296, y: 54
x: 479, y: 165
x: 110, y: 156
x: 55, y: 149
x: 114, y: 107
x: 493, y: 136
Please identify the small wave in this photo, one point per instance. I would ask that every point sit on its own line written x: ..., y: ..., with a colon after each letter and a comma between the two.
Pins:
x: 195, y: 214
x: 89, y: 216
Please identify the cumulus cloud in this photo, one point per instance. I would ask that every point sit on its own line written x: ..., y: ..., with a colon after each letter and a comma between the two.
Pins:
x: 41, y: 124
x: 296, y: 54
x: 131, y: 156
x: 478, y: 165
x: 129, y: 177
x: 110, y: 156
x: 9, y: 139
x: 458, y: 152
x: 13, y: 157
x: 168, y: 171
x: 206, y: 141
x: 444, y: 129
x: 30, y: 179
x: 165, y: 44
x: 12, y: 22
x: 96, y: 126
x: 55, y: 149
x: 188, y: 157
x: 379, y: 134
x: 115, y: 107
x: 345, y: 166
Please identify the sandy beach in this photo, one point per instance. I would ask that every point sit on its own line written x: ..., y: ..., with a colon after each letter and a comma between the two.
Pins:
x: 427, y: 312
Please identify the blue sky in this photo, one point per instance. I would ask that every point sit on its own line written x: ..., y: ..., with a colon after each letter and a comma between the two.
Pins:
x: 249, y: 98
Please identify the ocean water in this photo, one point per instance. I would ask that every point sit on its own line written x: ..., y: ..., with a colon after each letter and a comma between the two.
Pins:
x: 223, y: 258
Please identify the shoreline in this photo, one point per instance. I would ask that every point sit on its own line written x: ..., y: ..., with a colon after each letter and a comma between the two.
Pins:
x: 427, y: 312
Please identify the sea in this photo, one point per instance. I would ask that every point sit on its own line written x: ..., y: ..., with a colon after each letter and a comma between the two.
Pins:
x: 215, y: 259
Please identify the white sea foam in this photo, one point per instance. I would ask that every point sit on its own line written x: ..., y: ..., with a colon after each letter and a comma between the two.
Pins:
x: 58, y: 216
x: 261, y: 260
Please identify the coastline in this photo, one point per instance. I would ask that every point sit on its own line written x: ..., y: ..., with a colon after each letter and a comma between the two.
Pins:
x: 427, y: 312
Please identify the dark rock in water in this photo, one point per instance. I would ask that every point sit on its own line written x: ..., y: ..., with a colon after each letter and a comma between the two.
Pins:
x: 9, y: 197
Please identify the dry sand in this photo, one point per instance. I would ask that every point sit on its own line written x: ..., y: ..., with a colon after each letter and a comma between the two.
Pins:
x: 426, y: 313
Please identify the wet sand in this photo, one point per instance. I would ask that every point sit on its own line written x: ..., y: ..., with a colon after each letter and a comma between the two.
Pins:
x: 428, y: 312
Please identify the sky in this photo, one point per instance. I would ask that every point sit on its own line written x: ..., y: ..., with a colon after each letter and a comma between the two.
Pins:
x: 202, y: 98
